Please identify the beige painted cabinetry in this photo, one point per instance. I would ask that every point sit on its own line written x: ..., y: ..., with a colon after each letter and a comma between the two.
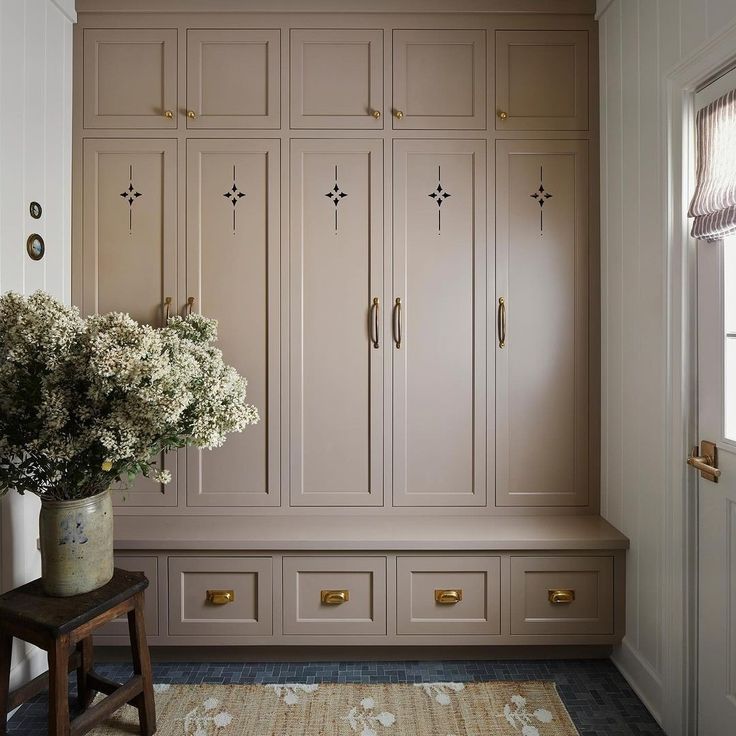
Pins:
x: 392, y: 218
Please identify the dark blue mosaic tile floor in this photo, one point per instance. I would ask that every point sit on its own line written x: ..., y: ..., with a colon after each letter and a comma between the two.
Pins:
x: 597, y: 697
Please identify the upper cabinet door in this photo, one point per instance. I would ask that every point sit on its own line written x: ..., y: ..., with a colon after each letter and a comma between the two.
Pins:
x: 542, y: 328
x: 233, y: 79
x: 542, y: 80
x: 233, y: 276
x: 337, y: 79
x: 439, y: 324
x: 129, y: 251
x: 130, y: 78
x: 337, y: 317
x: 439, y: 80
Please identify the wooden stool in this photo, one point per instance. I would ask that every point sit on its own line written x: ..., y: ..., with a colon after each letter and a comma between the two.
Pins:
x: 63, y: 627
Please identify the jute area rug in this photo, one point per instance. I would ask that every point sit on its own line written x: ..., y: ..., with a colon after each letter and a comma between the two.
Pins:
x: 428, y: 709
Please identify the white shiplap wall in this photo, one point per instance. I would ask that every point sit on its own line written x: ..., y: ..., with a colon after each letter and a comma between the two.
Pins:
x: 35, y: 164
x: 640, y: 43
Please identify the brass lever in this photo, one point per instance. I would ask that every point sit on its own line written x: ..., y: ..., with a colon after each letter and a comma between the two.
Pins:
x: 706, y: 462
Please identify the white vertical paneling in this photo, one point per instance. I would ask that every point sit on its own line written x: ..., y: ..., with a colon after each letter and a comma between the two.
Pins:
x: 35, y: 161
x: 641, y: 40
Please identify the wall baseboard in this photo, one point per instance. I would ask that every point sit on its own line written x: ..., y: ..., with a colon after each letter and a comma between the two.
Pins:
x: 643, y: 680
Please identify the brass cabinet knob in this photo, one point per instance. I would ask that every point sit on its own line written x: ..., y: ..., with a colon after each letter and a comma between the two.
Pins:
x: 502, y: 114
x: 220, y: 597
x: 334, y: 597
x: 399, y: 114
x: 168, y: 114
x: 191, y: 114
x: 560, y: 597
x: 376, y: 114
x: 448, y: 597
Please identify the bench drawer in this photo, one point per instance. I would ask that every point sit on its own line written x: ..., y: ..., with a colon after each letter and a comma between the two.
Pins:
x: 148, y: 565
x: 334, y: 595
x: 561, y: 595
x: 448, y: 595
x: 211, y: 596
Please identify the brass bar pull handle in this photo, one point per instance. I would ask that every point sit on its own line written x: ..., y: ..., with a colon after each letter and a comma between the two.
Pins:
x: 560, y: 597
x: 334, y: 597
x: 397, y: 323
x: 706, y: 461
x: 448, y: 597
x: 220, y: 597
x: 374, y: 323
x: 167, y: 309
x: 190, y: 304
x: 501, y: 322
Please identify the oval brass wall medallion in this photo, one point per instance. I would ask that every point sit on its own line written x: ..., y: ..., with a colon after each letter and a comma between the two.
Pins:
x: 35, y: 247
x: 36, y: 210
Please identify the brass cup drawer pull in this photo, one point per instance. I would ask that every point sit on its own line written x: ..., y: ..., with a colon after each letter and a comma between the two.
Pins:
x: 334, y: 597
x: 560, y: 597
x: 220, y: 597
x: 448, y: 597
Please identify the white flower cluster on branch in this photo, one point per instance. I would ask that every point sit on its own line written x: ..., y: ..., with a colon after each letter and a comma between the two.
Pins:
x: 85, y: 403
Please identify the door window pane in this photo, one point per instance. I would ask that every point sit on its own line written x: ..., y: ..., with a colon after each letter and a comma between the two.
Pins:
x: 729, y: 322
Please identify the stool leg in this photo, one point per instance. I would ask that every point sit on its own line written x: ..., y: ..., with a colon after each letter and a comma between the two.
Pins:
x: 85, y: 695
x: 59, y: 687
x: 142, y: 666
x: 6, y: 650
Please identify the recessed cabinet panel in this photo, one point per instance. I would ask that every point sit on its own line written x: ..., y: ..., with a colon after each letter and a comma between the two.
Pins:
x: 337, y: 346
x: 448, y: 595
x: 233, y: 275
x: 233, y: 78
x: 542, y: 80
x: 337, y: 78
x: 439, y: 326
x: 542, y: 368
x: 130, y: 78
x: 129, y: 251
x: 439, y: 79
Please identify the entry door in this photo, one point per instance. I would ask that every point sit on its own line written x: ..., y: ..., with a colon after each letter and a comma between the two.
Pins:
x: 337, y: 313
x: 233, y: 277
x: 439, y: 324
x: 717, y: 501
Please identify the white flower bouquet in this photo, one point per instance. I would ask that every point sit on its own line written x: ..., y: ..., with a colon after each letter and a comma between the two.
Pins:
x: 86, y: 403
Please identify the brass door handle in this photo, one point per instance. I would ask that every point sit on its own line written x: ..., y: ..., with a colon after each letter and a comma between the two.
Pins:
x: 334, y: 597
x: 167, y: 309
x: 190, y: 304
x: 706, y: 462
x: 374, y: 323
x: 169, y: 114
x: 220, y: 597
x: 502, y: 114
x: 501, y: 322
x: 397, y: 323
x: 399, y: 114
x: 448, y: 597
x: 191, y: 114
x: 560, y: 597
x: 376, y: 114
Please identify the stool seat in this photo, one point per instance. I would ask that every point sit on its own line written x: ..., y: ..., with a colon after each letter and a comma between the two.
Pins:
x: 28, y: 606
x: 63, y: 627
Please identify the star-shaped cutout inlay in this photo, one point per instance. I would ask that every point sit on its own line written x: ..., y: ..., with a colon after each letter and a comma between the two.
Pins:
x: 439, y: 195
x: 234, y: 195
x: 541, y: 196
x: 130, y: 195
x: 336, y: 195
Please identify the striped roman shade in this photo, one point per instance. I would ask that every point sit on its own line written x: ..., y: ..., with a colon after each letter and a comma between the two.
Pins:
x: 714, y: 202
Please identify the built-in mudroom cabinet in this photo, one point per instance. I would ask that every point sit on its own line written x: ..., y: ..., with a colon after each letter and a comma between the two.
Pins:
x: 393, y: 218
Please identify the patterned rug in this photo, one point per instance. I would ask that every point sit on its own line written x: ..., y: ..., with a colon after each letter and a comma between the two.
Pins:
x: 428, y: 709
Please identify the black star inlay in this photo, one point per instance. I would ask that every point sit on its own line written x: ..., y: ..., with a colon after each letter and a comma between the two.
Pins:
x: 130, y: 195
x: 234, y: 195
x: 439, y: 195
x: 541, y: 196
x: 336, y: 195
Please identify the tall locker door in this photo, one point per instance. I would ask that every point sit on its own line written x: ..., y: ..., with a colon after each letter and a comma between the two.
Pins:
x: 233, y: 277
x: 542, y: 330
x: 129, y: 251
x: 439, y: 323
x: 337, y: 313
